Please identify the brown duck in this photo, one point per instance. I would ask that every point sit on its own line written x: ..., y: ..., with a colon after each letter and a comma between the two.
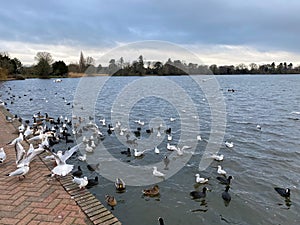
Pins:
x: 111, y: 201
x: 154, y: 191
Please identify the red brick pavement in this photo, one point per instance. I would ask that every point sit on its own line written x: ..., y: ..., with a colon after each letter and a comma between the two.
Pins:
x: 32, y: 200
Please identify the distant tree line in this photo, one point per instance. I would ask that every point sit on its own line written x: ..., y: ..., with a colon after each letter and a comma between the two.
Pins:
x: 45, y: 67
x: 177, y: 67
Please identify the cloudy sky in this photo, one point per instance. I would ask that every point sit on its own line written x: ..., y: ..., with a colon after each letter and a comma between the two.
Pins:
x: 217, y: 31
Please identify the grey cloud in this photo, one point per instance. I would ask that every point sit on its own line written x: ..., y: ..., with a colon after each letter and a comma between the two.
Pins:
x: 266, y: 25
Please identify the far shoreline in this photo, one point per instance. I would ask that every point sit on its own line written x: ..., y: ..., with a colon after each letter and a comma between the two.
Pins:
x: 79, y: 75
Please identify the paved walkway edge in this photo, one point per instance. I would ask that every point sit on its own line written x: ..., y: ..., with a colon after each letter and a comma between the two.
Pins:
x: 89, y: 204
x: 95, y: 211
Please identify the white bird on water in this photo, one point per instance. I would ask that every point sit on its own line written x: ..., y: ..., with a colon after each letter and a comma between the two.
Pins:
x: 156, y: 150
x: 229, y: 144
x: 2, y: 155
x: 89, y: 148
x: 138, y: 153
x: 171, y: 147
x: 157, y: 173
x: 172, y: 119
x: 82, y: 157
x: 139, y: 122
x: 158, y: 134
x: 221, y: 171
x: 217, y: 157
x: 82, y: 182
x: 199, y: 138
x: 200, y: 180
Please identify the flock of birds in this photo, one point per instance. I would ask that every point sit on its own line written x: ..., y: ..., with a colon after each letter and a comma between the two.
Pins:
x: 44, y: 132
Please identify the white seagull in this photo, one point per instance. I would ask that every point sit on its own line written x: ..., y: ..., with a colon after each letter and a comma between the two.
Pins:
x: 138, y: 153
x: 229, y: 144
x: 221, y: 171
x: 139, y: 122
x: 171, y: 147
x: 31, y: 153
x: 82, y: 182
x: 18, y: 139
x: 200, y: 180
x: 82, y: 157
x: 22, y: 171
x: 172, y: 119
x: 28, y: 132
x: 62, y: 168
x: 20, y: 152
x: 217, y: 157
x: 156, y: 150
x: 157, y: 173
x: 2, y: 155
x: 89, y: 148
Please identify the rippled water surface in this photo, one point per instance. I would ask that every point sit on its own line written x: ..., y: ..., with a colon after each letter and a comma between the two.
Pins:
x: 259, y: 160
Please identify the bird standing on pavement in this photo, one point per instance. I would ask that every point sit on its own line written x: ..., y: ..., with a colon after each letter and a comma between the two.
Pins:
x: 2, y: 155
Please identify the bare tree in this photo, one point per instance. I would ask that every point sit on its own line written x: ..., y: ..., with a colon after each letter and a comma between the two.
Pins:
x: 43, y: 68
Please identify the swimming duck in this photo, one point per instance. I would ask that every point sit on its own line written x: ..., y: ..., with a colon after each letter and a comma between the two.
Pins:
x: 284, y: 192
x: 127, y: 152
x: 111, y: 201
x: 120, y: 185
x: 225, y: 195
x: 200, y: 180
x: 225, y: 181
x: 199, y: 194
x: 92, y: 182
x: 154, y: 191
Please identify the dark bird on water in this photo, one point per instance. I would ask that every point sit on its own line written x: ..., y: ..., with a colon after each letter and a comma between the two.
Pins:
x: 93, y: 167
x: 284, y: 192
x: 92, y: 182
x: 225, y: 181
x: 199, y: 194
x: 161, y: 221
x: 78, y: 172
x: 166, y: 162
x: 225, y: 195
x: 120, y: 185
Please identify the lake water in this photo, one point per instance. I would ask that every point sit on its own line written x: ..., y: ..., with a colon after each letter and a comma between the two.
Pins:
x: 259, y: 161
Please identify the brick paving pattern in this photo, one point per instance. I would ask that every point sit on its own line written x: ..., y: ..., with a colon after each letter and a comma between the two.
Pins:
x: 33, y: 200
